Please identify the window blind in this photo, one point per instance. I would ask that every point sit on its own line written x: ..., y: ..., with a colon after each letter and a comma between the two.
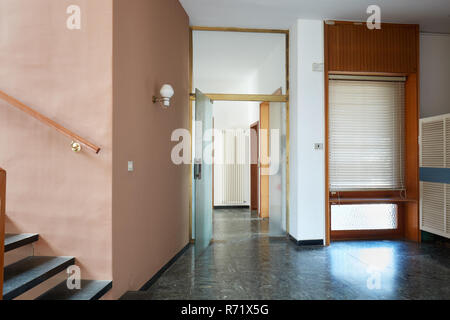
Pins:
x: 366, y: 135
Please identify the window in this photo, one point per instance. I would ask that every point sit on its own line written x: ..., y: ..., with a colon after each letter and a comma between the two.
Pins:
x: 364, y: 217
x: 366, y: 133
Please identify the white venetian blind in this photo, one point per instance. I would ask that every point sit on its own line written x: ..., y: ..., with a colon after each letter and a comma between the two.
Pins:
x: 366, y: 135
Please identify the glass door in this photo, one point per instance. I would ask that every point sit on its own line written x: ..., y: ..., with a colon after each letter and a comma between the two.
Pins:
x: 277, y: 169
x: 203, y: 206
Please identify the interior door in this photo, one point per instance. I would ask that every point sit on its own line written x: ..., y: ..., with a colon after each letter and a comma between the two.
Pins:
x: 264, y: 159
x: 273, y: 166
x: 278, y: 169
x: 203, y: 171
x: 254, y: 170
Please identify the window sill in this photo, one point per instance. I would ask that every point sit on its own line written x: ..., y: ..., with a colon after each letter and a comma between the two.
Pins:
x: 335, y: 200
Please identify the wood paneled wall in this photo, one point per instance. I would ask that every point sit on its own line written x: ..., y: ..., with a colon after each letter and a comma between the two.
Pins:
x: 352, y: 48
x: 355, y: 48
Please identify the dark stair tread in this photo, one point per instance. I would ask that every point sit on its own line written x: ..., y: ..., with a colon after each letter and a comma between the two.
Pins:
x: 90, y: 290
x: 30, y: 272
x: 14, y: 241
x: 135, y: 295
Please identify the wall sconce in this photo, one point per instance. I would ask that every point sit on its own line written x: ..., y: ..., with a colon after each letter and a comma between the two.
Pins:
x: 167, y: 93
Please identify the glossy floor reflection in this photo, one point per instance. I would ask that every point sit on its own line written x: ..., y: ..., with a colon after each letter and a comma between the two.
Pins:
x: 245, y: 263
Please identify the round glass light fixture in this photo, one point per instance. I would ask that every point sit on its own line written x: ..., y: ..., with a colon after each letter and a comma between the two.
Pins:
x: 167, y: 93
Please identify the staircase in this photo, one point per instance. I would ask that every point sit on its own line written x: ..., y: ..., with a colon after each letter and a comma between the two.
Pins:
x: 26, y: 274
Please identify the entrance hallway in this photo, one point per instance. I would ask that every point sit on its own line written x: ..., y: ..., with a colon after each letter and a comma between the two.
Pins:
x: 244, y: 263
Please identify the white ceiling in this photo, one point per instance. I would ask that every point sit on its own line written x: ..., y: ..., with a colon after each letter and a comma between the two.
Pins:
x: 432, y: 15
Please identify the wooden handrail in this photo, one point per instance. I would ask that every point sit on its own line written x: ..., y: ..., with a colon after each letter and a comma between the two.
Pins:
x: 19, y: 105
x: 2, y: 226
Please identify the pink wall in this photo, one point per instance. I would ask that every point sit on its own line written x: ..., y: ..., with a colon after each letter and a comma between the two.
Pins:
x: 66, y: 75
x: 119, y: 225
x: 151, y: 204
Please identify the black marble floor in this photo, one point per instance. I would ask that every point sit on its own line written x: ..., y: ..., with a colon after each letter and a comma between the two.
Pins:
x: 245, y: 263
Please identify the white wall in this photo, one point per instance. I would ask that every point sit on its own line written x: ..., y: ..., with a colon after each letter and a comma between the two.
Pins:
x: 434, y: 74
x: 238, y: 62
x: 271, y: 74
x: 307, y: 127
x: 235, y: 115
x: 293, y: 130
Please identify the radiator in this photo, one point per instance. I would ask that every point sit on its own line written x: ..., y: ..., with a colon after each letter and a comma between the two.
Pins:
x: 435, y: 173
x: 230, y: 167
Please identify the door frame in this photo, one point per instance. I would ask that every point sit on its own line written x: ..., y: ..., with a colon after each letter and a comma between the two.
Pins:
x: 240, y: 97
x: 264, y: 125
x: 258, y: 175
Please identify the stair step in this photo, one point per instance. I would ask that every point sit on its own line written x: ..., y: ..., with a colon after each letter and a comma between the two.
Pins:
x: 90, y: 290
x: 25, y: 274
x: 14, y: 241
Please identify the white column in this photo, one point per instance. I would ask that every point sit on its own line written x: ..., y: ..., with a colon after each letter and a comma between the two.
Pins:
x: 307, y: 127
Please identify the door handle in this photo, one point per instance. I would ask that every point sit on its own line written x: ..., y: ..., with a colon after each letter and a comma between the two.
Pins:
x: 197, y: 171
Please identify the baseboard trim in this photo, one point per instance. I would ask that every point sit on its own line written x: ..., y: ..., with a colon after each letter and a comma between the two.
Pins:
x: 231, y: 207
x: 158, y: 275
x: 319, y: 242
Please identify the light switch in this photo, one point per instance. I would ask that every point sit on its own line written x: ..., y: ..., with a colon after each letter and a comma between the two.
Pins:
x: 318, y: 146
x: 318, y: 67
x: 130, y: 166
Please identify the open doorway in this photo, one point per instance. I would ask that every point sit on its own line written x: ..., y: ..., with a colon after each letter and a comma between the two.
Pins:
x: 247, y: 172
x: 234, y: 158
x: 250, y: 155
x: 232, y: 153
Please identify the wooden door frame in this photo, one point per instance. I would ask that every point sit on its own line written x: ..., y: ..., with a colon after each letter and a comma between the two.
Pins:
x: 242, y: 97
x: 258, y: 176
x: 263, y: 180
